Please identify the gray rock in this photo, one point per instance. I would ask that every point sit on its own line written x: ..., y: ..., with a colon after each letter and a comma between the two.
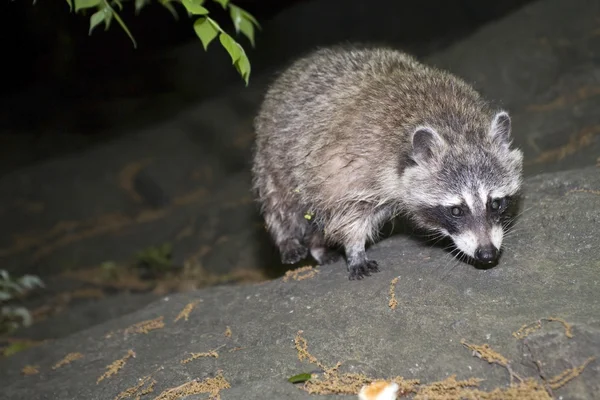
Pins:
x: 551, y: 353
x: 550, y: 269
x: 542, y: 64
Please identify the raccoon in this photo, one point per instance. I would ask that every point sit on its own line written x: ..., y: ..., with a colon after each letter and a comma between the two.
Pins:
x: 349, y: 137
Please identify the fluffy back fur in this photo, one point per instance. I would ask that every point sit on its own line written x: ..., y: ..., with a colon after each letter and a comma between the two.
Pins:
x: 348, y: 137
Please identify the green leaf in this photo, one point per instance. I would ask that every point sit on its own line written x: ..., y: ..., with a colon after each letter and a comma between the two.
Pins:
x: 167, y: 4
x: 223, y: 3
x: 248, y: 30
x: 236, y: 16
x: 237, y: 54
x: 249, y: 17
x: 30, y: 281
x: 81, y: 4
x: 15, y: 348
x: 97, y: 18
x: 243, y: 67
x: 300, y: 378
x: 14, y: 286
x: 108, y: 20
x: 241, y: 23
x: 117, y: 2
x: 25, y: 315
x: 120, y: 21
x: 139, y: 4
x: 194, y: 7
x: 231, y: 46
x: 215, y: 24
x: 70, y: 3
x: 205, y: 31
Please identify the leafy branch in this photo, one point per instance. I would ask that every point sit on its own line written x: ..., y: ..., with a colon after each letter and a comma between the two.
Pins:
x: 206, y: 28
x: 12, y: 317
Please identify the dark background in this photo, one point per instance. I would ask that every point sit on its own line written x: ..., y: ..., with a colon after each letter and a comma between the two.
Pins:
x: 55, y: 73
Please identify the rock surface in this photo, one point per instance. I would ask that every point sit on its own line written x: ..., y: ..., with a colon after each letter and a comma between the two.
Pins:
x: 549, y: 270
x: 541, y: 63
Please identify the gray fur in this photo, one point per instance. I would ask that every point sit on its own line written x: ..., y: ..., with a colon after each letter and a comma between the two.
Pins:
x: 358, y: 135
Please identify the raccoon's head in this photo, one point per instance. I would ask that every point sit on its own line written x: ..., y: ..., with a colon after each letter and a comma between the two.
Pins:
x: 462, y: 183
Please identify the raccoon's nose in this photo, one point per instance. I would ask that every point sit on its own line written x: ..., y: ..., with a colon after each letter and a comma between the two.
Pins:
x: 486, y: 254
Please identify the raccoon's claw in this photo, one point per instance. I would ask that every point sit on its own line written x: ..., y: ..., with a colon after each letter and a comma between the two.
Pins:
x: 292, y: 251
x: 372, y: 266
x: 359, y: 271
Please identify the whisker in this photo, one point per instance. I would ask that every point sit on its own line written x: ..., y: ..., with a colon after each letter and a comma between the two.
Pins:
x: 451, y: 255
x: 517, y: 216
x: 459, y: 257
x: 439, y: 239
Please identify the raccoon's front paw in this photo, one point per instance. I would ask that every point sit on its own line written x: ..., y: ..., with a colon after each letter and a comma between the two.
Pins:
x: 365, y: 268
x: 292, y: 251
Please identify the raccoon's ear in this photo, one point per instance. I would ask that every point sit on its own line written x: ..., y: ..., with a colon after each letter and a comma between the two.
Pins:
x: 424, y: 142
x: 500, y: 130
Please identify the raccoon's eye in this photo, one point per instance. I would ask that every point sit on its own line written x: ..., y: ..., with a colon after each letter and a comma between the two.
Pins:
x: 456, y: 211
x: 499, y: 205
x: 495, y: 205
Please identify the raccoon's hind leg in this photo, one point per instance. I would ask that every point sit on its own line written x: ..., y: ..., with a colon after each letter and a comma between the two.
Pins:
x: 287, y: 226
x: 319, y: 249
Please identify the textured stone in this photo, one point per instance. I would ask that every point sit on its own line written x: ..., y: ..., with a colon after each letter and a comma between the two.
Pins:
x: 550, y: 269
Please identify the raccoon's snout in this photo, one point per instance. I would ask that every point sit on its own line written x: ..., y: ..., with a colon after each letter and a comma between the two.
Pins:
x: 486, y: 254
x: 480, y: 247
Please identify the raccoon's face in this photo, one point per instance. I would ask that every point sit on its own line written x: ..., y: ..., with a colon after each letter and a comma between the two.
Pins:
x: 475, y: 222
x: 464, y: 190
